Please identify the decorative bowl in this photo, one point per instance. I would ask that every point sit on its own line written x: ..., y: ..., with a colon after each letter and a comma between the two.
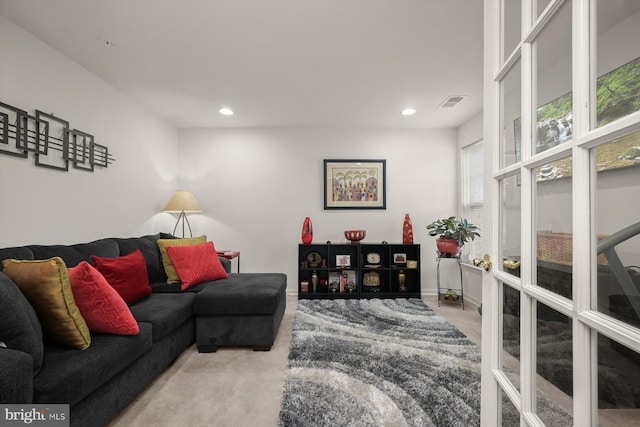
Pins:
x: 355, y: 235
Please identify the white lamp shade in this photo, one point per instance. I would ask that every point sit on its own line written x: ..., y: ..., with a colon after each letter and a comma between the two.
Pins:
x: 182, y: 201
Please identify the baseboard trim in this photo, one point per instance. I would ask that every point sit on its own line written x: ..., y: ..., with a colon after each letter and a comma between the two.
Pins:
x: 429, y: 292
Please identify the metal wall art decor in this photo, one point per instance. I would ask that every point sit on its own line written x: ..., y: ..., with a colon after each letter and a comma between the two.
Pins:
x: 53, y: 144
x: 355, y: 184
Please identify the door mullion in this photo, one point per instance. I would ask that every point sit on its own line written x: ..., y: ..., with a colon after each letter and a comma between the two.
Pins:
x: 583, y: 380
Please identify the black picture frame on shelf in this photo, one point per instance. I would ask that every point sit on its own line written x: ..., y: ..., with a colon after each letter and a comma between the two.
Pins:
x: 355, y: 184
x: 400, y: 258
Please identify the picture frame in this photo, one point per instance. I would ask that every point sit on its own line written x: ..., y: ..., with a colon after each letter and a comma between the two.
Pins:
x: 343, y: 261
x: 355, y: 184
x: 334, y: 282
x: 349, y: 282
x: 554, y: 122
x: 400, y: 258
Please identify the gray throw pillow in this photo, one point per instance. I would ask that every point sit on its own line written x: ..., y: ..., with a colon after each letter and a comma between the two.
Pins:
x: 19, y: 325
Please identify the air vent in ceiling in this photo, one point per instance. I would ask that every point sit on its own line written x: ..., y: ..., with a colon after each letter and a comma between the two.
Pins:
x: 451, y: 101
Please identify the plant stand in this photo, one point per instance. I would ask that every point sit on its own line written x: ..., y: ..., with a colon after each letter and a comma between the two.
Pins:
x: 441, y: 294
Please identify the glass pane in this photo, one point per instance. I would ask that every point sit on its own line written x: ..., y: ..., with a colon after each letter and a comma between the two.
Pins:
x: 552, y: 51
x: 618, y: 228
x: 511, y: 334
x: 473, y: 194
x: 510, y: 414
x: 554, y: 365
x: 511, y: 117
x: 617, y: 70
x: 510, y: 203
x: 618, y: 384
x: 512, y: 26
x: 541, y: 4
x: 553, y: 224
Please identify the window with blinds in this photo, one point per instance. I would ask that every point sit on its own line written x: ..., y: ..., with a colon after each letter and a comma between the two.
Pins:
x: 472, y: 193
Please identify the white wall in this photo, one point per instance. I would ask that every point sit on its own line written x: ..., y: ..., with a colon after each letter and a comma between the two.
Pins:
x: 256, y: 186
x: 470, y: 131
x: 43, y: 206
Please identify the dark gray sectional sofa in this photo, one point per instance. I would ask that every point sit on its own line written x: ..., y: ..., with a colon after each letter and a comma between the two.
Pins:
x: 97, y: 383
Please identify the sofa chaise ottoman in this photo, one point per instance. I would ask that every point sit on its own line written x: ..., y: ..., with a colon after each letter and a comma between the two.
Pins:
x: 244, y: 310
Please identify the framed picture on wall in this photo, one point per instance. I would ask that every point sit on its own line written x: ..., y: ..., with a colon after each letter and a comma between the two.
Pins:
x: 355, y: 184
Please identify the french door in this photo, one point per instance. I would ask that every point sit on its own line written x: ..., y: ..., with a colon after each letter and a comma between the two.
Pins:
x: 561, y: 308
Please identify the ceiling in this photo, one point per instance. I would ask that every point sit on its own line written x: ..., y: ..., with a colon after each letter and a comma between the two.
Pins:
x: 276, y: 63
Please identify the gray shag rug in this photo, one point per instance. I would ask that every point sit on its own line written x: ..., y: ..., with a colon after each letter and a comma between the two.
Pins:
x: 390, y: 362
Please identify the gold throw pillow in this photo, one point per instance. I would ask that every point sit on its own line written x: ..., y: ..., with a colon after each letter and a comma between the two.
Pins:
x: 172, y: 274
x: 46, y: 285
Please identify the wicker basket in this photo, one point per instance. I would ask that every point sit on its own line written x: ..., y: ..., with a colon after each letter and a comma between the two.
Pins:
x: 558, y: 248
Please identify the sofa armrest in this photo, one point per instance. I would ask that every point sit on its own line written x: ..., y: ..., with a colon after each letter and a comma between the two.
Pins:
x: 226, y: 263
x: 16, y: 381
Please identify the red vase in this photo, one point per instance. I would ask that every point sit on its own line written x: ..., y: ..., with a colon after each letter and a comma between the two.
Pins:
x: 407, y: 231
x: 448, y: 246
x: 307, y: 231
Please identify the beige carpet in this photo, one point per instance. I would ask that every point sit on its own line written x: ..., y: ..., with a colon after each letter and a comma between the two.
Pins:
x: 237, y: 386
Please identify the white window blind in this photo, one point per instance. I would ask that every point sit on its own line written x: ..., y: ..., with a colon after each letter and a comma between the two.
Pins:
x: 472, y: 193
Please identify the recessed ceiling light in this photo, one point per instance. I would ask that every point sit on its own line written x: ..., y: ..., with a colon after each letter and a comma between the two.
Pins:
x: 226, y: 111
x: 408, y: 112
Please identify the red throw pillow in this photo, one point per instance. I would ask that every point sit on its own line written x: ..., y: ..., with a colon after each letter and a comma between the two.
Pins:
x: 102, y: 307
x: 126, y: 274
x: 196, y: 264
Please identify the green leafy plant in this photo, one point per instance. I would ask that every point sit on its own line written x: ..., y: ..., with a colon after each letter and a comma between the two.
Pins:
x: 454, y: 228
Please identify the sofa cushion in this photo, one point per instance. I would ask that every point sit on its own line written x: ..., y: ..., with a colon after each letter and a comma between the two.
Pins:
x: 102, y: 307
x: 163, y: 244
x: 126, y: 274
x: 165, y: 312
x: 46, y: 285
x: 19, y: 326
x: 70, y: 376
x: 16, y: 381
x: 148, y: 245
x: 242, y: 293
x: 165, y: 288
x: 21, y: 252
x: 196, y: 264
x: 75, y: 254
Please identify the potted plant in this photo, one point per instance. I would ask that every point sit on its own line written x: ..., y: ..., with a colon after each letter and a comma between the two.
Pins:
x: 453, y: 233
